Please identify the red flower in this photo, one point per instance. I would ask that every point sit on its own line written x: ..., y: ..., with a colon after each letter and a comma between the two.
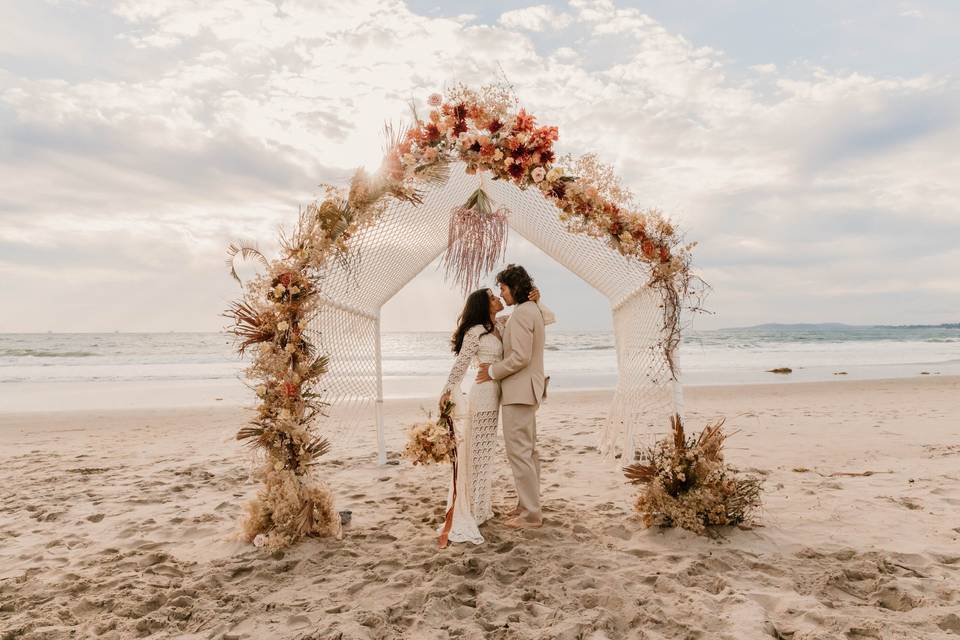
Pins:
x: 460, y: 111
x: 648, y: 248
x: 559, y: 189
x: 495, y: 126
x: 433, y: 133
x: 291, y: 390
x: 487, y: 150
x: 546, y: 157
x: 664, y: 254
x: 515, y: 170
x: 616, y: 228
x: 459, y: 127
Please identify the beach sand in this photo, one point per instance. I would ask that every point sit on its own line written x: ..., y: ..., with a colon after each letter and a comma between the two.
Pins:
x: 118, y: 524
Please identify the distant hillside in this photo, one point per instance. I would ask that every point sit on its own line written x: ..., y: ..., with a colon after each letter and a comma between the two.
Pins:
x: 834, y: 326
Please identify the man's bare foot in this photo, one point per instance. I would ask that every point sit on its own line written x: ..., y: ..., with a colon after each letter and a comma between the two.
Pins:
x: 523, y: 523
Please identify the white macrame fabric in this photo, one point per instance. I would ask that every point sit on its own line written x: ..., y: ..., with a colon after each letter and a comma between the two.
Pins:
x: 407, y: 238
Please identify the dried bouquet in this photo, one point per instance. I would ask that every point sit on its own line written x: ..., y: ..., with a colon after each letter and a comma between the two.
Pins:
x: 685, y: 482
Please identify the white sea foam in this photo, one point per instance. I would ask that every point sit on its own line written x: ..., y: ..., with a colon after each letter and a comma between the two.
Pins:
x: 36, y: 369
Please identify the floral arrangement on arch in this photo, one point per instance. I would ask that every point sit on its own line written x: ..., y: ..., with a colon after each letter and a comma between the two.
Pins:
x: 486, y: 130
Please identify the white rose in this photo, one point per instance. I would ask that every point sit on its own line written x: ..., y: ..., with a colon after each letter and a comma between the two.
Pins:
x: 259, y: 540
x: 497, y: 155
x: 538, y: 174
x: 261, y: 391
x: 554, y: 174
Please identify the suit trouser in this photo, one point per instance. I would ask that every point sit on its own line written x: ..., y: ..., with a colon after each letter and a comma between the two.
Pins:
x: 520, y: 439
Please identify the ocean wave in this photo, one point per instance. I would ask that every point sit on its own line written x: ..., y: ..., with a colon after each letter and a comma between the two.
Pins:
x: 606, y: 347
x: 39, y: 353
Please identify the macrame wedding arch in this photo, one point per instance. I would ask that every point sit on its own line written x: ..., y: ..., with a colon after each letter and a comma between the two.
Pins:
x: 449, y: 182
x: 408, y: 237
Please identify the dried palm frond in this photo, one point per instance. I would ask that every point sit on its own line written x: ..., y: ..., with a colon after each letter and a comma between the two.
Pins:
x: 640, y: 473
x: 317, y: 368
x: 406, y: 193
x: 305, y: 519
x: 437, y: 172
x: 249, y: 325
x: 257, y: 434
x: 393, y: 137
x: 246, y: 251
x: 317, y: 447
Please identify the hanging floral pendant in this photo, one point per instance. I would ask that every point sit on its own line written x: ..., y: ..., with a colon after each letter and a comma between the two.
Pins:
x: 476, y: 240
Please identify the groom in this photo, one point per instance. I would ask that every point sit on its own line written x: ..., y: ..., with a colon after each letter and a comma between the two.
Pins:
x: 521, y: 388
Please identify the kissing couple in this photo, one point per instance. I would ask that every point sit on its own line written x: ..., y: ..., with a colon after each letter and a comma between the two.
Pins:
x: 507, y: 353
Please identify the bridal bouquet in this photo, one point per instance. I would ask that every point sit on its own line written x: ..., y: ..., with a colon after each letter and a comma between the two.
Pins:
x: 432, y: 441
x: 687, y: 484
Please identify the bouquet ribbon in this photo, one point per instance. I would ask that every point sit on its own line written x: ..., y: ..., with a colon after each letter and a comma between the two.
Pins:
x: 448, y: 521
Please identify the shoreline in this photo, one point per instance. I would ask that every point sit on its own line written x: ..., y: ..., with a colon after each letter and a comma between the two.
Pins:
x: 38, y: 398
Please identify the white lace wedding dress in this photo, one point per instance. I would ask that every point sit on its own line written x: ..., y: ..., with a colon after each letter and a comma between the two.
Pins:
x: 476, y: 433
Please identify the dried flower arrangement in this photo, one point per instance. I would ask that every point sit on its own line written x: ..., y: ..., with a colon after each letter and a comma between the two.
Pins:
x: 435, y: 442
x: 432, y: 441
x: 685, y: 482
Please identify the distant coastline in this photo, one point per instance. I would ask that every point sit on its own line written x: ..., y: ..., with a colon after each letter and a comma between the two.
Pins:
x: 828, y: 326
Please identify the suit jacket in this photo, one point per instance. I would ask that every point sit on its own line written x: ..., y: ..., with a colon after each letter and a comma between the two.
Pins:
x: 520, y: 373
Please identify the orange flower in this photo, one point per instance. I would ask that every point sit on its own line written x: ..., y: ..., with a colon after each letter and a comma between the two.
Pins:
x: 524, y: 121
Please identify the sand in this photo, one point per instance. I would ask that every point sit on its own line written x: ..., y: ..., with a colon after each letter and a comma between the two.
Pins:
x: 118, y: 524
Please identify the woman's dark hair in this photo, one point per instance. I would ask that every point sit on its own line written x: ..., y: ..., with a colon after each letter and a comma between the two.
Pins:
x: 476, y: 310
x: 518, y: 281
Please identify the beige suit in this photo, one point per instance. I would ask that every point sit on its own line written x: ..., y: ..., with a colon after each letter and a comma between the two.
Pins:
x: 521, y: 378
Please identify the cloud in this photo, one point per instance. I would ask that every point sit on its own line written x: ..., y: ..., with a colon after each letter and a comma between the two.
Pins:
x: 541, y: 17
x: 198, y: 123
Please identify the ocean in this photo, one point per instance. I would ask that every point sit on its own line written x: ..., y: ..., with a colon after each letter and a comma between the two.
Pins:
x: 133, y: 370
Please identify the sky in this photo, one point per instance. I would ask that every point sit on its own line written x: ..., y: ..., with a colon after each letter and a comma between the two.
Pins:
x: 809, y: 148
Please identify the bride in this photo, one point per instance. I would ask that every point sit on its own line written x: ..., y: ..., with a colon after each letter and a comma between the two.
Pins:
x: 477, y: 341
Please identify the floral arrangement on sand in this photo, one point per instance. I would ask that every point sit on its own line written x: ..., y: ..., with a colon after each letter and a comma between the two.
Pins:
x: 685, y: 482
x: 432, y: 441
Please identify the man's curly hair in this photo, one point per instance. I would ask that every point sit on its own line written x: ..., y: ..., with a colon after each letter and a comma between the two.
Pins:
x: 518, y: 281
